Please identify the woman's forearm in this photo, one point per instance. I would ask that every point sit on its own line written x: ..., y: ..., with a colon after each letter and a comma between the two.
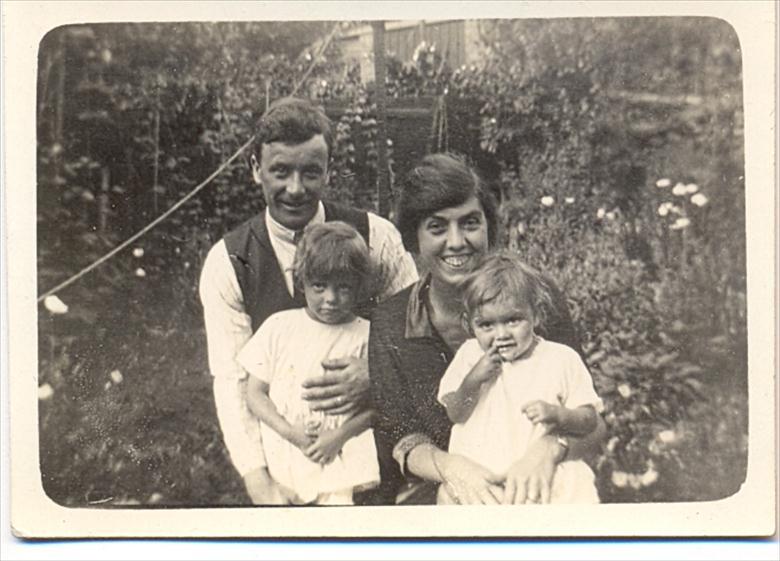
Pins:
x: 426, y: 461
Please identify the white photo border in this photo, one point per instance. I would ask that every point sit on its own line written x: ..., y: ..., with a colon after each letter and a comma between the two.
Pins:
x: 750, y: 512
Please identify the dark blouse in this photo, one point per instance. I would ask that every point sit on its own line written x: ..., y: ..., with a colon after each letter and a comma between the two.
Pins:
x: 407, y: 359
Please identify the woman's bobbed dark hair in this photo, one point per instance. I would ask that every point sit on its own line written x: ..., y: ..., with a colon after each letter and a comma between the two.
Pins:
x: 438, y: 182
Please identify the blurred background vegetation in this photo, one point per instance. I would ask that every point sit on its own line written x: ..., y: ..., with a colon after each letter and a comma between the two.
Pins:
x: 615, y: 147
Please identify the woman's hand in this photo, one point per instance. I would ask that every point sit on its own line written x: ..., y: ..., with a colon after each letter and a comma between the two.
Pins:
x: 342, y: 389
x: 467, y: 482
x: 529, y: 480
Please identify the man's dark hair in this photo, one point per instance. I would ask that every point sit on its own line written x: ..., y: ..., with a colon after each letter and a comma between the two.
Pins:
x: 292, y: 120
x: 440, y: 181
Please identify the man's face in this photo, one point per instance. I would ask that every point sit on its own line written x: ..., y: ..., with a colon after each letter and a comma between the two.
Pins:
x: 292, y: 177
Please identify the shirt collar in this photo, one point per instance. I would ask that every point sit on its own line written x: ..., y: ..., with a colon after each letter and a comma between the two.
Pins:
x: 285, y: 234
x: 418, y: 320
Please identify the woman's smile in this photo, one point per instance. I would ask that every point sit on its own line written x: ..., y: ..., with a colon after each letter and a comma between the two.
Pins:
x: 457, y: 261
x: 452, y: 239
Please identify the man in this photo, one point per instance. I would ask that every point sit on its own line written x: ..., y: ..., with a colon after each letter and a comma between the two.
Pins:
x: 247, y: 276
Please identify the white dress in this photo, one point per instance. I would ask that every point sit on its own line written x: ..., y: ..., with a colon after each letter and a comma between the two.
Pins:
x: 288, y: 348
x: 498, y: 433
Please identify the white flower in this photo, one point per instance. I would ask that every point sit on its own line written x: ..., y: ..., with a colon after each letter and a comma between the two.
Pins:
x: 680, y: 223
x: 324, y: 83
x: 679, y: 190
x: 521, y: 228
x: 635, y: 481
x: 699, y: 199
x: 663, y: 183
x: 663, y: 209
x: 55, y: 305
x: 569, y: 200
x: 667, y: 436
x: 611, y: 215
x: 619, y: 478
x: 612, y: 443
x: 600, y: 213
x: 649, y: 477
x: 45, y: 392
x: 624, y: 390
x: 116, y: 376
x: 691, y: 188
x: 138, y: 252
x: 139, y: 272
x: 547, y: 200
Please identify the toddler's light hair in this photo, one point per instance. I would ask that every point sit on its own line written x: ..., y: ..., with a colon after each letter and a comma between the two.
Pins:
x: 502, y: 277
x: 332, y: 249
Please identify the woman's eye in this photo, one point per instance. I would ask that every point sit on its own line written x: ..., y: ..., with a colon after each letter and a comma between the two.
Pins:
x: 472, y: 223
x: 311, y: 175
x: 318, y: 286
x: 436, y: 228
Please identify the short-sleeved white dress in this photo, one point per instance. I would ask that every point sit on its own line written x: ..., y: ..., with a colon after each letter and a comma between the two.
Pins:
x: 498, y: 433
x: 288, y: 348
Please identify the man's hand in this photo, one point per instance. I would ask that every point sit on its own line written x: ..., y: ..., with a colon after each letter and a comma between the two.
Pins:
x: 263, y: 490
x: 342, y: 389
x: 529, y: 480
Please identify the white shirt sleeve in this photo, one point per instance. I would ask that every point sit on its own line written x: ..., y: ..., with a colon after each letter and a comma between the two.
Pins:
x: 464, y: 360
x: 396, y: 266
x: 256, y: 356
x: 228, y: 328
x: 578, y: 384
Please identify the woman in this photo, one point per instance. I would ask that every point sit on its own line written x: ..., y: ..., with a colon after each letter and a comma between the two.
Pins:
x: 449, y: 220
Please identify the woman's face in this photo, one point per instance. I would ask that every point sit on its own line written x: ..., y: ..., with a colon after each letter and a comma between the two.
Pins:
x: 452, y: 240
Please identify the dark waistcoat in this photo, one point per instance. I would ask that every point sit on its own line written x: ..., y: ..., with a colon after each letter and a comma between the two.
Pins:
x: 254, y: 261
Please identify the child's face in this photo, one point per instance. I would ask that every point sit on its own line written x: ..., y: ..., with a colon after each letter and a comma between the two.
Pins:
x: 331, y: 300
x: 509, y: 328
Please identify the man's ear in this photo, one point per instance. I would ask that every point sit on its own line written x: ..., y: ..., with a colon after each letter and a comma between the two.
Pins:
x: 255, y: 165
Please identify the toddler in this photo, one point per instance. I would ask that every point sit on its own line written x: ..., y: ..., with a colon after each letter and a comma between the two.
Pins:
x: 316, y: 458
x: 507, y: 386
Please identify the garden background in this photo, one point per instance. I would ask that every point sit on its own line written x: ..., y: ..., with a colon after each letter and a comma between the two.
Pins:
x: 615, y: 147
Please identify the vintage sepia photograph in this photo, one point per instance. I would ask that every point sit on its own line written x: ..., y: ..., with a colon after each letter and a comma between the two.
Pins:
x: 405, y: 266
